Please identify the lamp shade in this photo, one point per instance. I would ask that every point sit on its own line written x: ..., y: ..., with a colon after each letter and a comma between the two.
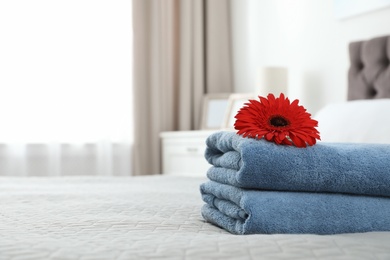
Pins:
x: 271, y: 80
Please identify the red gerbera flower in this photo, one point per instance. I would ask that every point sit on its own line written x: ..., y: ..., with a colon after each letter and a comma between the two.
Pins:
x: 278, y: 121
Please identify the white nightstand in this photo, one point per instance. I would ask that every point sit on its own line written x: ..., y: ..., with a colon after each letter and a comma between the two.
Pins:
x: 183, y: 153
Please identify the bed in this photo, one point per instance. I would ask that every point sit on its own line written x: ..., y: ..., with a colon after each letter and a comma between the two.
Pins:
x: 158, y: 217
x: 144, y: 218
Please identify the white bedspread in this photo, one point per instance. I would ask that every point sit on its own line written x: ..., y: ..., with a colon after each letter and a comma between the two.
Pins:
x: 144, y: 218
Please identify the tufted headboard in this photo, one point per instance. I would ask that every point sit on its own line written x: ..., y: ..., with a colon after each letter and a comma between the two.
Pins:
x: 369, y: 72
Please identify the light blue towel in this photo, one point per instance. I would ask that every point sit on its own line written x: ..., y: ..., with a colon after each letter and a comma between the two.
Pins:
x: 325, y: 167
x: 241, y: 211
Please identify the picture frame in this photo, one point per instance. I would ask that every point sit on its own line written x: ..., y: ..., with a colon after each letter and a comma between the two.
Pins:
x: 235, y: 103
x: 213, y: 110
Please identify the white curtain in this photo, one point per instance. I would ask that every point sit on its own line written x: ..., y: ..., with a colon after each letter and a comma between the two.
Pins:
x: 65, y: 87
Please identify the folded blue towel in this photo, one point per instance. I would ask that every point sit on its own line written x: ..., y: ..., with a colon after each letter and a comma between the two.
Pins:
x: 325, y: 167
x: 241, y: 211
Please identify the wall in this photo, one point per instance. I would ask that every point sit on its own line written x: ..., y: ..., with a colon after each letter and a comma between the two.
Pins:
x: 304, y: 36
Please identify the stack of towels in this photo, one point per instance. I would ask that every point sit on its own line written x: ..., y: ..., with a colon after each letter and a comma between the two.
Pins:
x: 258, y: 187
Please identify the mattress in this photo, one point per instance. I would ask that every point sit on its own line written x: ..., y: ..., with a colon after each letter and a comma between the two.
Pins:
x: 155, y: 217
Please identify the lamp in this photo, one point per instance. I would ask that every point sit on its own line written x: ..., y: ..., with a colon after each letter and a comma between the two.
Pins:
x: 271, y: 80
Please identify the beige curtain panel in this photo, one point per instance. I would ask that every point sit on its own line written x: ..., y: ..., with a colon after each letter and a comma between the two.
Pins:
x: 182, y: 50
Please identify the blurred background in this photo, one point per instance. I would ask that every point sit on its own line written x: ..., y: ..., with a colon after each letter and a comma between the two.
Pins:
x: 99, y: 87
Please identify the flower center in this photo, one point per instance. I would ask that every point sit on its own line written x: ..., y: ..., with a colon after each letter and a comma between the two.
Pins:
x: 279, y: 121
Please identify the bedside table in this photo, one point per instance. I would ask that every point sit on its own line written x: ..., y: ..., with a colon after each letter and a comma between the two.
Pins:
x: 183, y: 153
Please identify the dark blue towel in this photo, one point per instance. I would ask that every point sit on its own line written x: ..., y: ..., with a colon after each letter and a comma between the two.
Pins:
x: 241, y: 211
x: 325, y: 167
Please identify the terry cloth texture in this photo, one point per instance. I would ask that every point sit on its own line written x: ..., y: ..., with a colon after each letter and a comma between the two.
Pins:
x: 241, y: 211
x: 352, y: 168
x: 257, y: 186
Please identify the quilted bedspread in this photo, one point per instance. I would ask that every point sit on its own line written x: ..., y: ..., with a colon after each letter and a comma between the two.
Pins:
x: 156, y: 217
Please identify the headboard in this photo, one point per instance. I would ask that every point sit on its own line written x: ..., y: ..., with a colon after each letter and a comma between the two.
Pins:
x: 369, y: 72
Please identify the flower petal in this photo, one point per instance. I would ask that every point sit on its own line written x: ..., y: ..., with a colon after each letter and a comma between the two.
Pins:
x: 277, y: 120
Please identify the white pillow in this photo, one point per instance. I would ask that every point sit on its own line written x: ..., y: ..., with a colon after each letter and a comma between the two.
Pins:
x: 363, y: 121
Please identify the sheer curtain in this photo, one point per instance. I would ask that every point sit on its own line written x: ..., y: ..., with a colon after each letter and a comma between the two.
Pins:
x: 65, y: 87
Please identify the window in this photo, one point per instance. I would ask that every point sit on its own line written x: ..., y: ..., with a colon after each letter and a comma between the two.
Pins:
x: 65, y: 70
